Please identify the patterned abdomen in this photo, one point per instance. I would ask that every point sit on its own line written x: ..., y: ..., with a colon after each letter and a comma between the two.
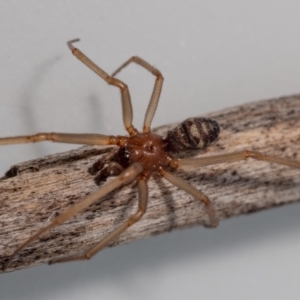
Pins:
x: 193, y: 133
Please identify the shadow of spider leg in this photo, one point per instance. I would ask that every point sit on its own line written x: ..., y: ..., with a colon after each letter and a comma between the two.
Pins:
x: 125, y: 177
x: 142, y: 206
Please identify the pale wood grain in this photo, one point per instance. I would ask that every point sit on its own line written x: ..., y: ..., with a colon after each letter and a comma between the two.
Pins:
x: 36, y: 190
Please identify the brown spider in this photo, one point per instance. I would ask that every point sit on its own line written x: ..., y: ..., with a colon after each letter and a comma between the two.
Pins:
x: 139, y: 155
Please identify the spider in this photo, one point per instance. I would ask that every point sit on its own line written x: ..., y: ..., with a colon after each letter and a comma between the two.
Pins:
x: 139, y: 155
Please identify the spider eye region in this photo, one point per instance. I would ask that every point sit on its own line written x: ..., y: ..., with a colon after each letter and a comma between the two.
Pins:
x: 148, y: 149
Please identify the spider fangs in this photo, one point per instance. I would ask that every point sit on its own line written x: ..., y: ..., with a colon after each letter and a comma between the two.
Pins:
x: 139, y: 155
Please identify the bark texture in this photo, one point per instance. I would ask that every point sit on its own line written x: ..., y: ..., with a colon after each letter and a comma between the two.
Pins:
x: 33, y: 192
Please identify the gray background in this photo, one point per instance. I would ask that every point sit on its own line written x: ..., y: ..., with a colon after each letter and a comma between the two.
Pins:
x: 213, y: 54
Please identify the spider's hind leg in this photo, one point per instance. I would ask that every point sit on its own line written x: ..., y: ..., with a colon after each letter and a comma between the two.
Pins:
x: 105, y: 167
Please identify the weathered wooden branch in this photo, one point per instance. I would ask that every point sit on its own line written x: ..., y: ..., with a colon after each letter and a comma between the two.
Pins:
x: 33, y: 192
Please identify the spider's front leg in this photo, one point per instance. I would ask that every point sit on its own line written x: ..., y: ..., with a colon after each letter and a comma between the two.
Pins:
x: 125, y: 177
x: 156, y: 89
x: 125, y: 95
x: 69, y: 138
x: 142, y: 206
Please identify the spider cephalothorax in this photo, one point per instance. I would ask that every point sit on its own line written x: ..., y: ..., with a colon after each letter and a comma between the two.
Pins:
x: 148, y: 149
x: 139, y: 155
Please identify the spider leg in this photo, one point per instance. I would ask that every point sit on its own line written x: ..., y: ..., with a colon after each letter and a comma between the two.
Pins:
x: 125, y: 177
x: 142, y: 206
x: 231, y: 157
x: 180, y: 183
x: 156, y: 90
x: 126, y: 100
x: 70, y: 138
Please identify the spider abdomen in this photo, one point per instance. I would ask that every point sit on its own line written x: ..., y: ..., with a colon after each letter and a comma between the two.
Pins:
x: 193, y: 133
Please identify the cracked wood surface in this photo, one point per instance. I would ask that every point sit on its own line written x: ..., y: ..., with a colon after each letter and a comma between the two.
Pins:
x: 33, y: 192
